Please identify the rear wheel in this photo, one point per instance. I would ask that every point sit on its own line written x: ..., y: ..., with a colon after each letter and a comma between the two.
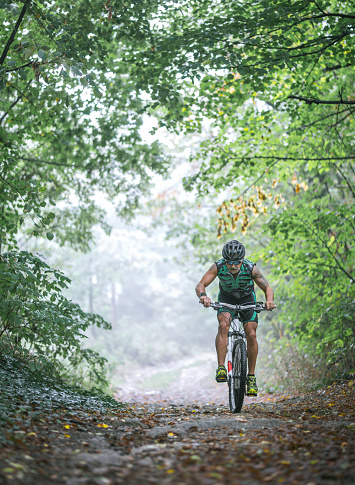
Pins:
x: 237, y: 381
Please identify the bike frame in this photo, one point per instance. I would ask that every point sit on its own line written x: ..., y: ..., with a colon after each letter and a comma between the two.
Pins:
x: 237, y: 342
x: 236, y: 331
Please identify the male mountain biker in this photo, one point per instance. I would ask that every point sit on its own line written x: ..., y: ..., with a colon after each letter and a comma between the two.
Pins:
x: 236, y: 286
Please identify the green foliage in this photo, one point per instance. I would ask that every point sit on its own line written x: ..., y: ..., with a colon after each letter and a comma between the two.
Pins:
x: 311, y: 249
x: 293, y: 55
x: 40, y: 324
x: 275, y: 80
x: 69, y: 127
x: 68, y: 118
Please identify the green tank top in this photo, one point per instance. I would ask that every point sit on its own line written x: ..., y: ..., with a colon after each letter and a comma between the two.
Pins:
x: 242, y: 285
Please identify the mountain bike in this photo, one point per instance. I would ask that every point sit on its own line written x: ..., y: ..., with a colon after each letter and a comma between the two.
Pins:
x: 237, y: 353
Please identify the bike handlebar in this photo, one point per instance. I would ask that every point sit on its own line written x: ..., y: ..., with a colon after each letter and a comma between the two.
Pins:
x: 258, y: 306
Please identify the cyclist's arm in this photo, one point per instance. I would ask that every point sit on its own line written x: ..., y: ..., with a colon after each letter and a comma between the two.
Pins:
x: 264, y: 285
x: 206, y: 280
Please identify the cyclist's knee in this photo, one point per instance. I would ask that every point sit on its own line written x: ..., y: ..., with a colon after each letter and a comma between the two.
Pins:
x: 224, y: 324
x: 250, y: 330
x: 251, y: 336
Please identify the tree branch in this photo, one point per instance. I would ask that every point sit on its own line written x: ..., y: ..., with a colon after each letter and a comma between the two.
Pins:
x: 8, y: 111
x: 341, y: 120
x: 20, y: 67
x: 304, y: 54
x: 41, y: 24
x: 23, y: 94
x: 326, y: 247
x: 256, y: 180
x: 346, y: 180
x: 292, y: 158
x: 338, y: 66
x: 48, y: 162
x: 13, y: 104
x: 319, y: 101
x: 316, y: 121
x: 13, y: 34
x: 10, y: 185
x: 319, y: 8
x: 341, y: 15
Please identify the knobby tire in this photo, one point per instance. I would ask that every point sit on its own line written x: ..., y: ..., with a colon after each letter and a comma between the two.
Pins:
x: 238, y: 381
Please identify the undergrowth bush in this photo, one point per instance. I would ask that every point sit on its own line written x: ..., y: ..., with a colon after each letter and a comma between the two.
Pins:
x: 287, y: 367
x: 42, y: 328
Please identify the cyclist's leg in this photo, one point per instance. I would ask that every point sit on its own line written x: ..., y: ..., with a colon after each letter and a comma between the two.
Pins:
x: 224, y: 319
x: 252, y: 344
x: 250, y: 321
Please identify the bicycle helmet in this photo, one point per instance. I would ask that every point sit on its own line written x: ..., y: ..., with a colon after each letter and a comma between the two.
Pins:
x: 233, y: 250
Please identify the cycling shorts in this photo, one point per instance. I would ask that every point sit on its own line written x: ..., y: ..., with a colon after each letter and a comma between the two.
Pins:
x: 244, y: 316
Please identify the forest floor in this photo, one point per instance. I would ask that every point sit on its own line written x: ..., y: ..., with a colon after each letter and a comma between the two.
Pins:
x: 182, y: 439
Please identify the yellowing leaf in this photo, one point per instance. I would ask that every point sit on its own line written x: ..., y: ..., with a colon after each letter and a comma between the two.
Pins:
x: 66, y: 426
x: 102, y: 425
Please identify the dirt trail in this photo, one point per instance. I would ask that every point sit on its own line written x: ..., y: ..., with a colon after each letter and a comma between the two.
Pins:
x: 296, y: 440
x: 186, y: 381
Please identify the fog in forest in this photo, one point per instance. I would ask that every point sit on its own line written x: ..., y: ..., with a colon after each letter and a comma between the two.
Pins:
x: 162, y: 339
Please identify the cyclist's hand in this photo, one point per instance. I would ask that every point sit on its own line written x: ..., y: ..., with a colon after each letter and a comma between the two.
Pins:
x: 206, y: 301
x: 270, y: 305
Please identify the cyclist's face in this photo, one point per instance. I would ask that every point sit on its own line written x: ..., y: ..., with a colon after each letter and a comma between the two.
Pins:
x: 233, y: 267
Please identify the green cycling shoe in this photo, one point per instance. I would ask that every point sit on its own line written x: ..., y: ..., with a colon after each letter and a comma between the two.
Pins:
x: 252, y: 388
x: 221, y: 374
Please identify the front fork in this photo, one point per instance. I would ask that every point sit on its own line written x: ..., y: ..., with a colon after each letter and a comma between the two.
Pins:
x: 232, y: 336
x: 229, y: 354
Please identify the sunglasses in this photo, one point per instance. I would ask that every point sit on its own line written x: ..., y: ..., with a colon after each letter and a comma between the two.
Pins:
x: 234, y: 262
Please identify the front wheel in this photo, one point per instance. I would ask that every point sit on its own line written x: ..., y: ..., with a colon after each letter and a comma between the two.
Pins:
x: 237, y: 381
